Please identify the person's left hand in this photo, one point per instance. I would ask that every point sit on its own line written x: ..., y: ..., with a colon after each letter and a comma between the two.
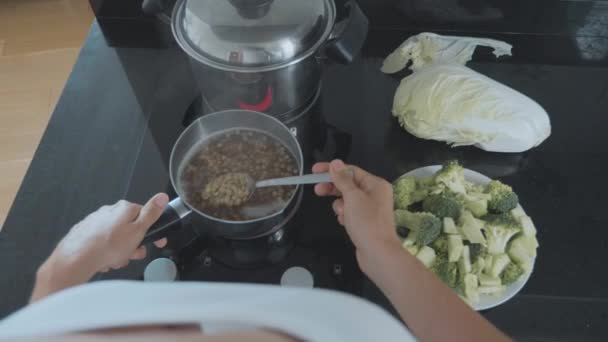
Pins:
x: 106, y: 239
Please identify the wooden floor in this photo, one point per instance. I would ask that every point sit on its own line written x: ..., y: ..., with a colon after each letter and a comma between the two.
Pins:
x: 39, y: 43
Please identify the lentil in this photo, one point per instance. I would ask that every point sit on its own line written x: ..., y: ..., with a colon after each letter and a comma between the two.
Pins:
x: 210, y: 178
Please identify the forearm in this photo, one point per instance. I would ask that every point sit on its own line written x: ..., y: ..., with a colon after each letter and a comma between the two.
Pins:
x: 55, y: 275
x: 430, y: 308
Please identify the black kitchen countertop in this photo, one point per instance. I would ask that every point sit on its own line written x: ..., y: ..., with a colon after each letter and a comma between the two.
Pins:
x: 87, y: 156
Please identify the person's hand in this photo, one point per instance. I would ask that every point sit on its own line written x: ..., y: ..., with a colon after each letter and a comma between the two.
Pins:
x: 106, y: 239
x: 364, y: 207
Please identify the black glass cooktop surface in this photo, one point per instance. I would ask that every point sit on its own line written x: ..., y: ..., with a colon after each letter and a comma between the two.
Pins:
x: 312, y: 239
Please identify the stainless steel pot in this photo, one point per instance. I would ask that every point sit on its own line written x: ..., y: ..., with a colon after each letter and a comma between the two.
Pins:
x: 197, y: 133
x: 262, y: 55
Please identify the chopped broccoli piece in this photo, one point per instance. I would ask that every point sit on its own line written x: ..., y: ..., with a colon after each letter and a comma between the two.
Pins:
x: 455, y: 246
x: 491, y: 290
x: 440, y: 245
x: 511, y: 273
x: 464, y: 263
x: 426, y: 225
x: 518, y: 212
x: 413, y: 249
x: 523, y: 251
x: 499, y: 263
x: 477, y: 251
x: 502, y: 197
x: 426, y: 255
x: 449, y: 226
x: 486, y: 280
x: 498, y: 237
x: 407, y: 192
x: 446, y: 271
x: 471, y: 227
x: 451, y: 176
x: 442, y: 205
x: 470, y: 287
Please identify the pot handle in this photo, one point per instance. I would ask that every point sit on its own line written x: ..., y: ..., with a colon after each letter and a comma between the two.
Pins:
x: 347, y: 38
x: 158, y: 8
x: 169, y: 221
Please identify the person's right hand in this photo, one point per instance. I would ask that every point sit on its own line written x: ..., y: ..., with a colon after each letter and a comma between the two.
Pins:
x: 364, y: 207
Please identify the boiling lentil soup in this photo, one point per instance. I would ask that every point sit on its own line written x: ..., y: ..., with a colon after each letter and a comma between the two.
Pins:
x: 239, y: 151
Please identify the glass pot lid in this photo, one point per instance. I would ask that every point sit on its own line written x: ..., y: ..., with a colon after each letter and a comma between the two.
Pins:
x: 252, y: 35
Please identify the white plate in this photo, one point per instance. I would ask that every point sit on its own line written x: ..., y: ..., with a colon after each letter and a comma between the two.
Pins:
x: 485, y: 301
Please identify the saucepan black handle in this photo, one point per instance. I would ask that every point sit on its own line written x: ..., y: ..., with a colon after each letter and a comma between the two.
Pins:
x: 348, y: 35
x: 169, y: 221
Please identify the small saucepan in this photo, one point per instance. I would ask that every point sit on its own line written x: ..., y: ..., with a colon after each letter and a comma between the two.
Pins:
x: 189, y: 141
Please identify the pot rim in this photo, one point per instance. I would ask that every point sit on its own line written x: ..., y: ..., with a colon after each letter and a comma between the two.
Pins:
x: 183, y: 42
x: 174, y: 180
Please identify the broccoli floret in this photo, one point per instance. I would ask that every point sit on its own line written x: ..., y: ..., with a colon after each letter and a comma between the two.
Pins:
x: 451, y: 176
x: 446, y: 271
x: 428, y: 234
x: 474, y: 188
x: 499, y: 230
x: 477, y: 250
x: 511, y: 273
x: 471, y: 227
x: 489, y: 261
x: 502, y: 220
x: 426, y: 225
x: 442, y: 205
x: 499, y: 263
x: 498, y: 237
x: 440, y: 245
x: 476, y: 203
x: 502, y: 197
x: 406, y: 192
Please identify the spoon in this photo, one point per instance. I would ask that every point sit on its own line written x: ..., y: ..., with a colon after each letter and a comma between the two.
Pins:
x: 295, y: 180
x: 234, y: 189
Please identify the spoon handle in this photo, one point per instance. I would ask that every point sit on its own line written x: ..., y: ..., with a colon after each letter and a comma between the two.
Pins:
x: 306, y: 179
